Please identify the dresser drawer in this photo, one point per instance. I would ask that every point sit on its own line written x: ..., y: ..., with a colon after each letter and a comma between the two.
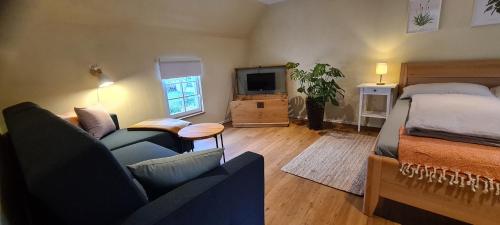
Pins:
x: 376, y: 91
x: 267, y: 111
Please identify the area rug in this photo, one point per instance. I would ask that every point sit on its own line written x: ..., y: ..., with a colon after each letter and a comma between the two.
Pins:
x: 336, y: 159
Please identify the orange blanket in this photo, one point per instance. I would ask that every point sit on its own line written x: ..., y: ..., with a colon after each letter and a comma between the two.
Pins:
x: 165, y: 124
x: 461, y: 164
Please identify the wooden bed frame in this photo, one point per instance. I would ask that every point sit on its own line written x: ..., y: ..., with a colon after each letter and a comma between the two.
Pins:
x: 384, y: 179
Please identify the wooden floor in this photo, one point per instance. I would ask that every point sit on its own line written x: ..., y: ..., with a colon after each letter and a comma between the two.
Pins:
x: 291, y: 200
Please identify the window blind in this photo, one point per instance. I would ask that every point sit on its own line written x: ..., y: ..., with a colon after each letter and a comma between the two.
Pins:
x: 174, y: 69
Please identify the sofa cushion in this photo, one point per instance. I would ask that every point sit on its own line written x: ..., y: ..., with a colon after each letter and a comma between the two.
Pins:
x: 163, y: 174
x: 141, y: 151
x: 124, y: 137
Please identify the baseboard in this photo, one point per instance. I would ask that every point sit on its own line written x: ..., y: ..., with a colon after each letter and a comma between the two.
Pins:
x: 225, y: 121
x: 339, y: 122
x: 326, y: 120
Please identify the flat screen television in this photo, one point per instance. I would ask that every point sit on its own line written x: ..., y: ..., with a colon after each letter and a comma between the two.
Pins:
x: 261, y: 82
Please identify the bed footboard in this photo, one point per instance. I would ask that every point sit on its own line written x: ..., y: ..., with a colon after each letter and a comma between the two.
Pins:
x: 372, y: 185
x: 385, y: 181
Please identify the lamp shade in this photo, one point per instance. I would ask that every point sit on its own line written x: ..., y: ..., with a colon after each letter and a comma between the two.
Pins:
x: 105, y: 80
x: 381, y: 69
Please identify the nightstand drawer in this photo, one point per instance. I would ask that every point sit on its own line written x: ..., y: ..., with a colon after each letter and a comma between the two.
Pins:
x: 376, y: 91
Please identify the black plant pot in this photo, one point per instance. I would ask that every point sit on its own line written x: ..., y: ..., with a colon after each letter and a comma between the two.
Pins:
x: 315, y: 114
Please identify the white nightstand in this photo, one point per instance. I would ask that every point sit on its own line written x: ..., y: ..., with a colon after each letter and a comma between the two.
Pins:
x: 373, y: 89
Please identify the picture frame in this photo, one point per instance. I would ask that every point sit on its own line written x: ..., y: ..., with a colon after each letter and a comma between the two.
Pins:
x: 424, y: 15
x: 486, y: 12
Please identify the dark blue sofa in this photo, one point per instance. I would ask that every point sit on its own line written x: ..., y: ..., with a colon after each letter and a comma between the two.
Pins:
x: 67, y: 177
x: 123, y: 137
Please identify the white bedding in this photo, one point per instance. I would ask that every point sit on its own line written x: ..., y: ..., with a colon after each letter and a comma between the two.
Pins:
x: 458, y: 117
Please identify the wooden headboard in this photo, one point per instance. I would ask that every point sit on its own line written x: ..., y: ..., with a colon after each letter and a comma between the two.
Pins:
x: 485, y: 72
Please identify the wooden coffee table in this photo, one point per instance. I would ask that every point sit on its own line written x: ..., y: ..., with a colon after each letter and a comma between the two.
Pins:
x: 203, y: 131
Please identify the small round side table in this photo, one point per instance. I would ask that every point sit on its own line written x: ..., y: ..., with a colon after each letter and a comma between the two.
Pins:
x: 203, y: 131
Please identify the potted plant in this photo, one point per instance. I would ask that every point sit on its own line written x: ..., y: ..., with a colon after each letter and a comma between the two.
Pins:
x: 320, y: 86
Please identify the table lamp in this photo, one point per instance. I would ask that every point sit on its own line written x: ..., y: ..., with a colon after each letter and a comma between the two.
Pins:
x: 380, y: 70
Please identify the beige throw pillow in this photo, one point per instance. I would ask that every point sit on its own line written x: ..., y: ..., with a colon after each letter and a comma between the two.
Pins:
x: 95, y: 120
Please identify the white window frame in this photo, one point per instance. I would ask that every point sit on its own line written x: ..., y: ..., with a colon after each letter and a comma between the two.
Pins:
x: 190, y: 113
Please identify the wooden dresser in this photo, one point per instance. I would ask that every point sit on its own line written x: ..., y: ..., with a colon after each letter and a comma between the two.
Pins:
x: 260, y: 110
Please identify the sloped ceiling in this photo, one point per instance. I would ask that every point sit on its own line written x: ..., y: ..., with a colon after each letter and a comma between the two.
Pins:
x: 234, y: 18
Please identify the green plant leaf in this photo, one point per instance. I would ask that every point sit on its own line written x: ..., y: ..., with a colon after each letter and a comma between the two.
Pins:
x: 318, y: 83
x: 334, y: 102
x: 291, y: 65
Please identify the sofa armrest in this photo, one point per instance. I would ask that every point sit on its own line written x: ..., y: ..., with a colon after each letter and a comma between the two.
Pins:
x: 230, y: 194
x: 115, y: 120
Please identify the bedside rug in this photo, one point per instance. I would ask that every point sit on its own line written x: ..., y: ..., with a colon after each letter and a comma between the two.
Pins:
x: 337, y: 160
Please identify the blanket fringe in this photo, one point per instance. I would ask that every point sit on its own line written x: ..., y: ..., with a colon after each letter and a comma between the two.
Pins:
x: 454, y: 177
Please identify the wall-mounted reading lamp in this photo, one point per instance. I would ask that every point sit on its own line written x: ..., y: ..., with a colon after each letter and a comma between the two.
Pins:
x: 104, y: 79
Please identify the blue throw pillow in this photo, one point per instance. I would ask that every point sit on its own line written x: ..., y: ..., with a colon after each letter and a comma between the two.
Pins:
x: 167, y: 173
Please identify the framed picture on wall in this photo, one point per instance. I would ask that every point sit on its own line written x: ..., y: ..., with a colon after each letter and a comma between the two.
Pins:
x: 486, y: 12
x: 423, y: 15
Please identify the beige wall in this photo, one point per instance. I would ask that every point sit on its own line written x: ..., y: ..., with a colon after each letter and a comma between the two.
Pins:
x: 355, y: 34
x: 47, y: 46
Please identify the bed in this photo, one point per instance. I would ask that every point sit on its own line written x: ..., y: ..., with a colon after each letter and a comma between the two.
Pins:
x: 383, y: 177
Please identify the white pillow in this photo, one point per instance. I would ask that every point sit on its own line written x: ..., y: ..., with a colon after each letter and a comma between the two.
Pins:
x: 446, y: 88
x: 496, y: 91
x: 95, y: 120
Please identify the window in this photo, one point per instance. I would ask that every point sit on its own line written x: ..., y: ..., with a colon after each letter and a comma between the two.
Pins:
x: 181, y: 81
x: 183, y: 95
